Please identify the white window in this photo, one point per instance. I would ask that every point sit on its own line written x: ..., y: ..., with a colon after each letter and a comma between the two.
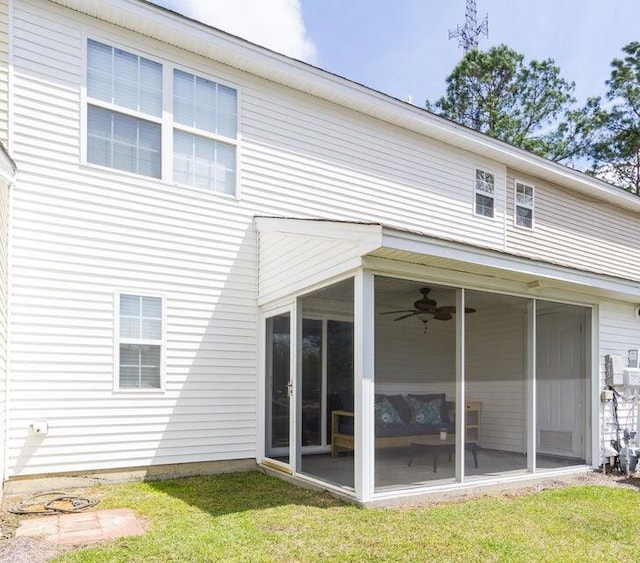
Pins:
x: 484, y: 193
x: 204, y: 115
x: 524, y: 205
x: 124, y: 109
x: 126, y: 122
x: 140, y: 341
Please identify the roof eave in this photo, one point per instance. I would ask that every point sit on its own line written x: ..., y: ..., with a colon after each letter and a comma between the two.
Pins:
x: 172, y: 28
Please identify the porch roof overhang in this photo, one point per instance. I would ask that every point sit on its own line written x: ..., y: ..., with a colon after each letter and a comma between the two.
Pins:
x: 300, y: 255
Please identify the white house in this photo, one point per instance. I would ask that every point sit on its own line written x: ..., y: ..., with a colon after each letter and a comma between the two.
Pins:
x: 220, y: 257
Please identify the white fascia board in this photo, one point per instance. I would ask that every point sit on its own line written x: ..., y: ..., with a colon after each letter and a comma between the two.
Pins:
x: 169, y: 27
x: 368, y: 235
x: 421, y: 244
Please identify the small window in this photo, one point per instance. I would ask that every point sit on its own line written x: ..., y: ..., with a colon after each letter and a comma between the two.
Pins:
x: 140, y: 342
x: 124, y: 110
x: 524, y: 205
x: 484, y: 193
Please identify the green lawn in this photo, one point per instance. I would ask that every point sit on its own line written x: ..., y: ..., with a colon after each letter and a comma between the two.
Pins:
x: 254, y: 517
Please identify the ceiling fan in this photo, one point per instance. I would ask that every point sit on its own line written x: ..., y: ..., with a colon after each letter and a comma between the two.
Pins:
x: 426, y: 309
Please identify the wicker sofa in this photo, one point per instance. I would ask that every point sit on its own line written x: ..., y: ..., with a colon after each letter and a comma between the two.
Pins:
x: 399, y: 419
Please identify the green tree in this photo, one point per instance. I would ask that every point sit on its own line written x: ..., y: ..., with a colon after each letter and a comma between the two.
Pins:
x: 616, y: 150
x: 528, y: 105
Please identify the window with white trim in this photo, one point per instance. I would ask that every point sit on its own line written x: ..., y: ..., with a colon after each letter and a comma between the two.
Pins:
x: 484, y: 193
x: 140, y: 342
x: 124, y: 110
x: 524, y: 205
x: 204, y: 115
x: 128, y: 116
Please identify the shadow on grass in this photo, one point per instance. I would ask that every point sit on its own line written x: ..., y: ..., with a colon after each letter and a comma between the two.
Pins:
x: 630, y: 481
x: 228, y: 493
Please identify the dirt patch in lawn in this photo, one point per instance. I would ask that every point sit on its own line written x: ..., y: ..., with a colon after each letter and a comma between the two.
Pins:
x: 23, y: 550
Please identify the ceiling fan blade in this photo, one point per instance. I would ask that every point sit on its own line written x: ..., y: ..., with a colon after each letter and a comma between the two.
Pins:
x: 446, y: 309
x: 396, y: 312
x: 443, y: 316
x: 451, y: 310
x: 406, y: 316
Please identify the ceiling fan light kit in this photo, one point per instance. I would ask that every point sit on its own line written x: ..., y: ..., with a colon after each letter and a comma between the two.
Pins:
x: 426, y: 309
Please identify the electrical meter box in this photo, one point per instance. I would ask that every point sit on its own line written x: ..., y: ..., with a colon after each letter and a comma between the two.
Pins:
x: 633, y: 357
x: 613, y: 366
x: 631, y: 377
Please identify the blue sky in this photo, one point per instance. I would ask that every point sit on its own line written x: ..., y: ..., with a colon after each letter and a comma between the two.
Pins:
x: 401, y: 47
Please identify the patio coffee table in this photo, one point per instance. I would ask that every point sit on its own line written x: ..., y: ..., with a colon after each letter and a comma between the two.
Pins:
x: 431, y: 443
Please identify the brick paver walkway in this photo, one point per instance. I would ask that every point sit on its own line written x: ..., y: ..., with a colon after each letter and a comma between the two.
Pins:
x: 83, y: 527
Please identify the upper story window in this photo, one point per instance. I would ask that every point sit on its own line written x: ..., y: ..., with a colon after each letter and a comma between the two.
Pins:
x: 484, y: 193
x: 524, y: 205
x: 204, y: 115
x: 140, y: 342
x: 129, y: 119
x: 124, y: 111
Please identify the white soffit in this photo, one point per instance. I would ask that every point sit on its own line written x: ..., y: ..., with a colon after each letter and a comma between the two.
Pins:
x: 169, y: 27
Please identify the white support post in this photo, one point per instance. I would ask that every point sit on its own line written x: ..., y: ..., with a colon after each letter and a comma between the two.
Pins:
x: 295, y: 443
x: 261, y: 426
x: 460, y: 385
x: 593, y: 423
x: 363, y: 366
x: 324, y: 419
x: 531, y: 388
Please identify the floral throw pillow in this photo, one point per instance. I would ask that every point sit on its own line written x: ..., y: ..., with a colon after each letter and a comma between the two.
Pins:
x: 426, y: 412
x: 385, y: 414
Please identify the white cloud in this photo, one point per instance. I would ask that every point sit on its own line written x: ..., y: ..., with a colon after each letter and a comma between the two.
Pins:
x: 275, y: 24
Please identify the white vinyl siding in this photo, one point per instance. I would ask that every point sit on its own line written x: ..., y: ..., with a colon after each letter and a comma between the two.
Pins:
x: 524, y: 205
x: 82, y: 233
x: 310, y: 259
x: 307, y: 159
x: 619, y: 333
x: 4, y: 255
x: 577, y: 231
x: 4, y: 72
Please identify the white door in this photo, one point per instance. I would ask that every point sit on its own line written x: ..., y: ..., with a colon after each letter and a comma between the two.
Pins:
x: 560, y: 369
x: 279, y: 394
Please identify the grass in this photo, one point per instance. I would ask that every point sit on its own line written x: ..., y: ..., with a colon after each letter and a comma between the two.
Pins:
x: 254, y: 517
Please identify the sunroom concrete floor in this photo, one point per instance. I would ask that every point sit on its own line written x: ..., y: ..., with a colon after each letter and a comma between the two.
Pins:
x: 392, y: 467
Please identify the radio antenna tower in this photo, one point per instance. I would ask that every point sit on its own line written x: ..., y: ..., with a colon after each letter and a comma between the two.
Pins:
x: 469, y: 34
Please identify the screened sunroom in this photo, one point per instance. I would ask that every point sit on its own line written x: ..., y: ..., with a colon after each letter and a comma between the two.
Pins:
x: 394, y: 364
